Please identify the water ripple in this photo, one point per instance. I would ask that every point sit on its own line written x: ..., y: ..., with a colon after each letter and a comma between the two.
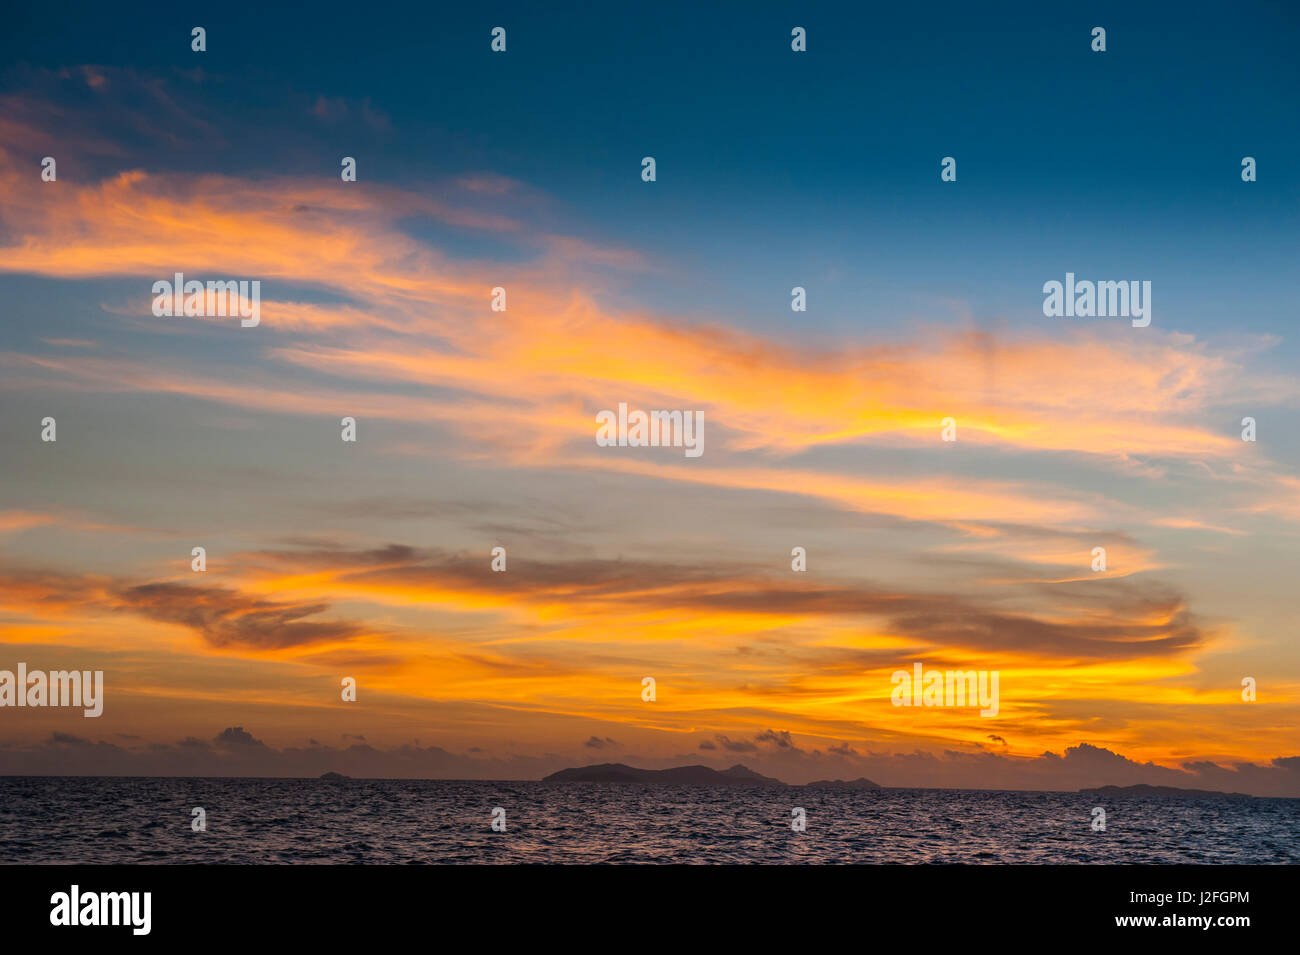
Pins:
x: 88, y: 820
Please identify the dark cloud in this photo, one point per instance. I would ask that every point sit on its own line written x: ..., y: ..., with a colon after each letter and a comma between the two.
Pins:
x: 237, y: 736
x: 227, y: 618
x: 1096, y: 619
x: 779, y: 738
x: 737, y: 745
x: 1106, y: 631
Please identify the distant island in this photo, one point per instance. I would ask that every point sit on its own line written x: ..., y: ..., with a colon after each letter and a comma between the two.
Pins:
x: 334, y: 777
x: 1144, y: 790
x: 677, y: 776
x: 862, y: 782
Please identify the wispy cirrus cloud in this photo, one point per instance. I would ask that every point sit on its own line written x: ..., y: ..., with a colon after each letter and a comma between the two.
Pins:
x: 373, y: 306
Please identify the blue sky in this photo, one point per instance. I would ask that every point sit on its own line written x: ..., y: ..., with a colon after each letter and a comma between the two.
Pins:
x: 1067, y: 159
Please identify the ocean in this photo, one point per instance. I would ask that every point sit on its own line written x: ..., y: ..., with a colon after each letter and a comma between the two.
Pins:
x: 100, y: 820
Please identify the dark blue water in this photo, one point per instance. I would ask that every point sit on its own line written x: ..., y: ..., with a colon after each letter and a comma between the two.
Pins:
x: 109, y: 820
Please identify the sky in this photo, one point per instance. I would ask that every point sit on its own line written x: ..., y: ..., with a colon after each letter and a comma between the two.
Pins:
x: 476, y: 429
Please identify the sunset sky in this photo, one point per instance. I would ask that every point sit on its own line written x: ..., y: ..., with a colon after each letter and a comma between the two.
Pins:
x: 476, y: 428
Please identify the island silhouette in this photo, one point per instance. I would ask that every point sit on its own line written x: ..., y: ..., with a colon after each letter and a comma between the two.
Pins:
x: 737, y: 775
x: 1142, y: 789
x: 741, y: 775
